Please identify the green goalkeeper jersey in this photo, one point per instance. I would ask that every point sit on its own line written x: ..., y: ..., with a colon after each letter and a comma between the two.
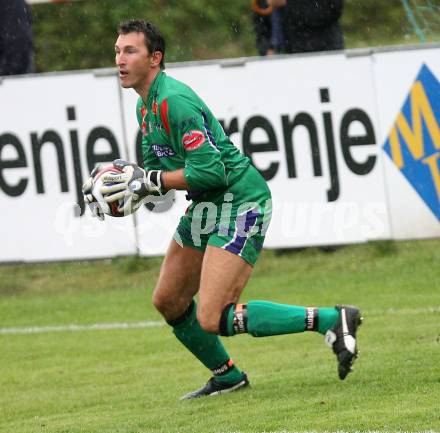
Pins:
x: 179, y: 131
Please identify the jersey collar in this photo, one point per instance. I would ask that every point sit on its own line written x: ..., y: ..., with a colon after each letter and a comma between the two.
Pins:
x: 154, y: 89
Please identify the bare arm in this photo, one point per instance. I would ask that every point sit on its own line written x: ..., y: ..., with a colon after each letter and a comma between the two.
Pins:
x: 174, y: 180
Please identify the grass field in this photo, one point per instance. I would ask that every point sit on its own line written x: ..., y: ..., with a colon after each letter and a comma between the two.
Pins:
x: 129, y: 380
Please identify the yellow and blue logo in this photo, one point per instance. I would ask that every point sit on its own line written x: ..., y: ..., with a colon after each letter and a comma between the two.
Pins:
x: 413, y: 143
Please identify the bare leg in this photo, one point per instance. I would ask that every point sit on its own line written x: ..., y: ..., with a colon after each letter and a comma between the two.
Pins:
x: 173, y: 296
x: 178, y: 280
x: 223, y: 278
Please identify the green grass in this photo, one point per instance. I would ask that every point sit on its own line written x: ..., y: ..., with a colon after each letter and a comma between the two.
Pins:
x: 130, y: 380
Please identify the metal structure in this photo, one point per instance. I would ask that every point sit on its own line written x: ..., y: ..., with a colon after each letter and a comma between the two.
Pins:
x: 424, y: 17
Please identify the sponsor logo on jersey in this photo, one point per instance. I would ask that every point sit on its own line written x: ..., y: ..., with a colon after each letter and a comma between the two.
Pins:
x: 413, y: 143
x: 154, y: 108
x: 162, y: 151
x: 193, y: 140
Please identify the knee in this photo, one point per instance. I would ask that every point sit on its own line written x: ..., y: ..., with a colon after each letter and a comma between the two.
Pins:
x: 209, y: 320
x: 162, y: 303
x: 172, y: 309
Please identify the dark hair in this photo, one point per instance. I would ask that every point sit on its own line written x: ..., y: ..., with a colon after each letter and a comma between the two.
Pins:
x: 154, y: 40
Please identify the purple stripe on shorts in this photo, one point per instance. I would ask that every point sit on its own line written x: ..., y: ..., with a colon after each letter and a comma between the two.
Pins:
x: 246, y: 220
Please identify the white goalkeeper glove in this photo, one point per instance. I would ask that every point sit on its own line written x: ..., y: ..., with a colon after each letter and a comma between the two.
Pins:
x: 89, y: 199
x: 132, y: 185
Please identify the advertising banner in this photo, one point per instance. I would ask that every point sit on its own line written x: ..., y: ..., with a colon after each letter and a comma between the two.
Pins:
x: 53, y: 130
x: 349, y: 145
x: 408, y: 94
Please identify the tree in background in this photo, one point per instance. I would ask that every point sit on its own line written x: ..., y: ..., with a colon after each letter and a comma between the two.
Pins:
x: 81, y: 35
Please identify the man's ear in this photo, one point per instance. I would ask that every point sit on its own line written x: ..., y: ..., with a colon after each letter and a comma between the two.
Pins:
x: 156, y: 58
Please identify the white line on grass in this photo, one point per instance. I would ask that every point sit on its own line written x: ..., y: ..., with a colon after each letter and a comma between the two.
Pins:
x: 76, y: 328
x: 153, y: 324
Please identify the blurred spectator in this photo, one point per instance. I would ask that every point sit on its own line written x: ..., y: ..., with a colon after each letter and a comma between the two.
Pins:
x: 268, y: 28
x: 310, y: 25
x: 16, y: 48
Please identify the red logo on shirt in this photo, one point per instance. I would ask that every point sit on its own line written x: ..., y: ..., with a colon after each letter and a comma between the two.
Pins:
x: 144, y: 128
x: 154, y: 108
x: 193, y: 140
x: 144, y: 123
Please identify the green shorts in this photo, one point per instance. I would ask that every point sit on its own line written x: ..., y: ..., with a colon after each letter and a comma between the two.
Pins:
x: 235, y: 219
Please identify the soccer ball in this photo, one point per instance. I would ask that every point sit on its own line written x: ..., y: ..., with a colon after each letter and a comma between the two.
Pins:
x: 110, y: 209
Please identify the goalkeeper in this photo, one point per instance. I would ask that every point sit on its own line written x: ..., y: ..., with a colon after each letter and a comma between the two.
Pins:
x: 185, y: 148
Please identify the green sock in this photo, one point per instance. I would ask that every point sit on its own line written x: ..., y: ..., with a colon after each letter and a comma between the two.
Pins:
x: 268, y: 318
x: 327, y: 319
x: 207, y: 348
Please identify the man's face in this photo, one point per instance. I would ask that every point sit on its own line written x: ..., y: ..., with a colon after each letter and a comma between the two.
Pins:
x: 132, y: 59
